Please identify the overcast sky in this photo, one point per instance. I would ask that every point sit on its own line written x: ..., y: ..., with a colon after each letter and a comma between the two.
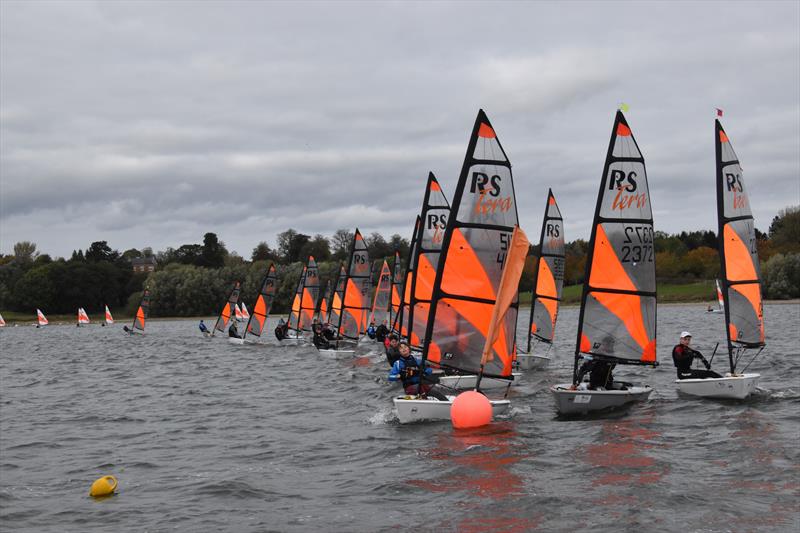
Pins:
x: 149, y: 124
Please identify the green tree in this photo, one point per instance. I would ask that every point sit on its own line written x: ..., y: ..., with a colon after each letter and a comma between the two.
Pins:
x: 784, y: 232
x: 318, y: 247
x: 781, y: 275
x: 25, y: 251
x: 100, y: 251
x: 341, y: 242
x: 262, y: 252
x: 213, y: 252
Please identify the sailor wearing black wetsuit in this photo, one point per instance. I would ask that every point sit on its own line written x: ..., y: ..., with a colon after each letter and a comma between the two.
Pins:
x: 599, y: 374
x: 683, y: 356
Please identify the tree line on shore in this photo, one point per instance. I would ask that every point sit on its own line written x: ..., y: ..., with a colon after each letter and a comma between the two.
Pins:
x: 194, y: 279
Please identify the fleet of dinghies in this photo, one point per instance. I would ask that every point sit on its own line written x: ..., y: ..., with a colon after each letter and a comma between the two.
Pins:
x: 455, y: 299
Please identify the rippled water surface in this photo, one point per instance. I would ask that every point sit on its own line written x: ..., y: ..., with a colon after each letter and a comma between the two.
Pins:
x: 206, y: 436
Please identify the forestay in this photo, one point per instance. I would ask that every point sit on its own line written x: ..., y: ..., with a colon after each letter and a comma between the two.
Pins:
x: 548, y: 279
x: 618, y: 305
x: 741, y: 277
x: 476, y: 239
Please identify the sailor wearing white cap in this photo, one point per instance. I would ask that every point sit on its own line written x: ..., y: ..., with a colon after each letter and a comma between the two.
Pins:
x: 683, y: 356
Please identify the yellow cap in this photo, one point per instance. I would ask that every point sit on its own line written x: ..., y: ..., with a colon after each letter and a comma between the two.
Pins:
x: 105, y: 486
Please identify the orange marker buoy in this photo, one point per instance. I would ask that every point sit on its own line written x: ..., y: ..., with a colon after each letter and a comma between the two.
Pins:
x: 470, y: 409
x: 105, y: 486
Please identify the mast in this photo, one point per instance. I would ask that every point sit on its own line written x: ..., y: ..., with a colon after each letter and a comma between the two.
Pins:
x: 617, y: 319
x: 738, y: 252
x: 476, y: 239
x: 549, y: 274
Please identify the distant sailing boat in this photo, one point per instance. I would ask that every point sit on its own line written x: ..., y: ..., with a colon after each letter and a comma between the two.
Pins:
x: 464, y: 291
x: 109, y: 318
x: 41, y: 320
x: 382, y: 300
x: 142, y: 314
x: 228, y: 312
x: 309, y: 296
x: 617, y: 320
x: 741, y: 278
x: 548, y: 282
x: 83, y: 318
x: 2, y: 322
x: 293, y: 332
x: 266, y: 294
x: 720, y: 301
x: 354, y: 307
x: 238, y: 312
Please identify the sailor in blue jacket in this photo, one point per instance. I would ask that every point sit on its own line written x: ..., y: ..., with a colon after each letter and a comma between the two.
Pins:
x: 407, y: 369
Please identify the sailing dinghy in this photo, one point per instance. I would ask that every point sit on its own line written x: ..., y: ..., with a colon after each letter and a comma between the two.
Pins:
x: 2, y: 322
x: 293, y: 333
x: 83, y: 317
x: 309, y: 296
x: 741, y: 279
x: 142, y: 314
x: 109, y: 318
x: 353, y: 304
x: 257, y: 320
x: 228, y: 313
x: 41, y: 320
x: 464, y: 291
x: 548, y: 283
x: 720, y: 301
x: 617, y: 320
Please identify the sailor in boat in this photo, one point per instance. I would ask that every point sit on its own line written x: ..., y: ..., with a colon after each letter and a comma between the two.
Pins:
x: 600, y: 374
x: 282, y: 330
x: 371, y: 330
x: 710, y: 309
x: 329, y: 331
x: 126, y: 329
x: 683, y: 356
x: 381, y: 332
x: 320, y: 341
x: 233, y: 331
x: 393, y: 349
x: 203, y: 328
x: 407, y: 370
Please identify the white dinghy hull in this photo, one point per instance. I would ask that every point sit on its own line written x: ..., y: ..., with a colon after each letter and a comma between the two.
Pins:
x: 577, y: 402
x: 410, y: 409
x: 337, y: 352
x: 527, y: 361
x: 734, y: 387
x: 236, y: 340
x: 468, y: 381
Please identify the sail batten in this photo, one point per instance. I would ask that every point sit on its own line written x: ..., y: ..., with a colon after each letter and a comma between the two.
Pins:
x: 618, y: 302
x: 476, y: 239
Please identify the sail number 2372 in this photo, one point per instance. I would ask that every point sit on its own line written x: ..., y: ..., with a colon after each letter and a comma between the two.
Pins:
x: 637, y: 245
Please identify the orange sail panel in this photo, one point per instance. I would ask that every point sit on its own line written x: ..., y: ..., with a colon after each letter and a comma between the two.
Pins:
x: 397, y: 288
x: 294, y: 313
x: 741, y: 276
x: 474, y: 248
x: 109, y: 318
x: 263, y: 305
x: 618, y: 305
x: 549, y: 275
x: 506, y: 296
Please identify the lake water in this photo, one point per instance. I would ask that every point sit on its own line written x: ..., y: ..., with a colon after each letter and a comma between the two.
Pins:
x: 206, y: 436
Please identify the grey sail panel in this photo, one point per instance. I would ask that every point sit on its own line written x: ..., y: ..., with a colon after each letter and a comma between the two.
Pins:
x: 263, y: 305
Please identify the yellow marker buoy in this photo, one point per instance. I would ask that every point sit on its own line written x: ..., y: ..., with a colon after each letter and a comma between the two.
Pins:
x: 105, y: 486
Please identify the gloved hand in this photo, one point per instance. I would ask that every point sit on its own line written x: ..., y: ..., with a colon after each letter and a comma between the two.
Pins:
x: 708, y: 365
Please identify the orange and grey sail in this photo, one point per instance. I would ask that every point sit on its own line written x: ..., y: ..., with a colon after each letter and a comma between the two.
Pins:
x: 40, y: 318
x: 297, y: 302
x: 433, y: 221
x: 475, y: 243
x: 741, y: 277
x: 2, y: 321
x: 263, y: 305
x: 357, y: 284
x: 109, y: 318
x: 548, y: 280
x: 400, y: 320
x: 83, y: 317
x: 309, y: 295
x: 383, y: 297
x: 335, y: 310
x: 142, y: 312
x: 618, y: 304
x: 228, y: 310
x: 397, y: 288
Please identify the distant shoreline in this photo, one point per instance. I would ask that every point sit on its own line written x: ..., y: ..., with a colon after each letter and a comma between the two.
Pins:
x: 123, y: 320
